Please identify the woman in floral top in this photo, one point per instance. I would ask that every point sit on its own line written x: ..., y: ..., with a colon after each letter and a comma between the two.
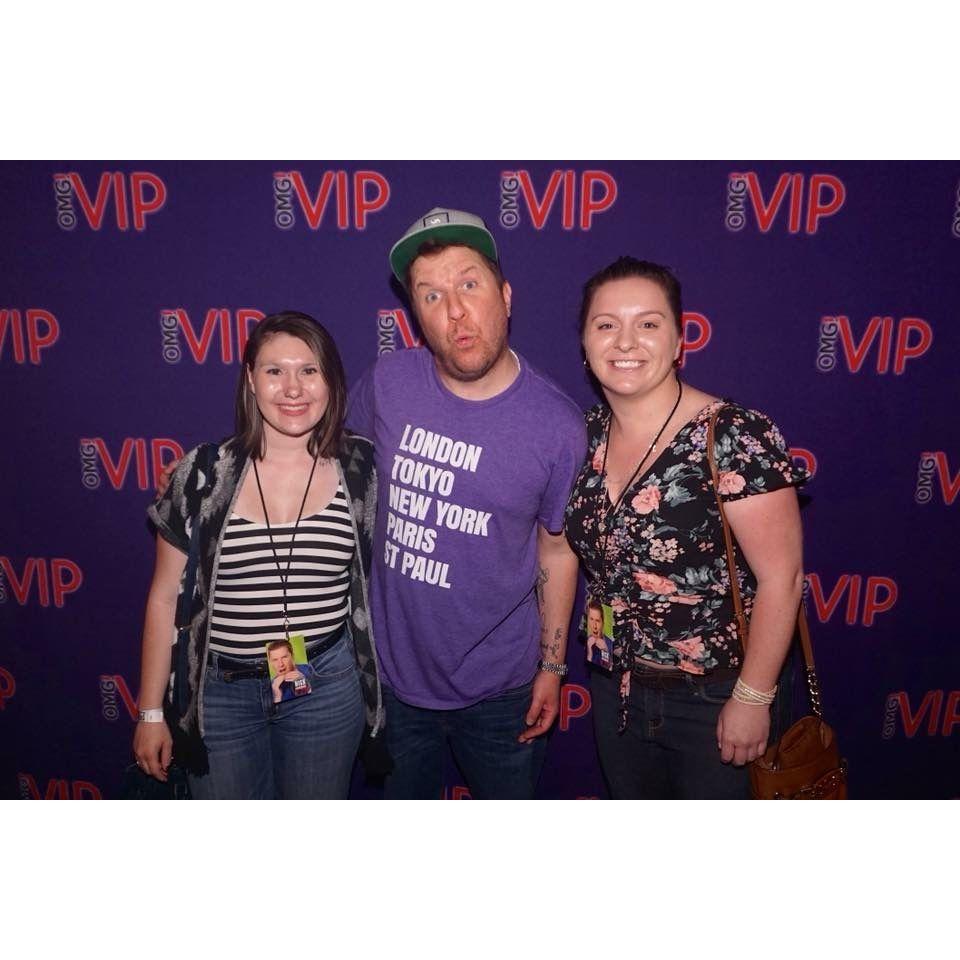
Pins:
x: 683, y: 709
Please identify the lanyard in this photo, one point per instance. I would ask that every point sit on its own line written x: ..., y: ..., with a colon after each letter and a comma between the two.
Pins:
x: 284, y: 575
x: 604, y: 521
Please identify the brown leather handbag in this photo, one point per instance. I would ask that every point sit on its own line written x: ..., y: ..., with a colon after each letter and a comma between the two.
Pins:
x: 805, y: 764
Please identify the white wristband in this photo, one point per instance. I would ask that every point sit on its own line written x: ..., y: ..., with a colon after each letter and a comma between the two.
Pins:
x: 152, y: 716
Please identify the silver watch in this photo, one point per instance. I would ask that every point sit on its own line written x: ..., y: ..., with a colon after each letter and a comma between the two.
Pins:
x: 558, y: 669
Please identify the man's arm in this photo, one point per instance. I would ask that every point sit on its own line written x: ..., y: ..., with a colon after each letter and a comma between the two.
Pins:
x: 556, y: 588
x: 360, y: 405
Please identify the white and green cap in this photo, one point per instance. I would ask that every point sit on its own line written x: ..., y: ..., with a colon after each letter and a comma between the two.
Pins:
x: 446, y: 226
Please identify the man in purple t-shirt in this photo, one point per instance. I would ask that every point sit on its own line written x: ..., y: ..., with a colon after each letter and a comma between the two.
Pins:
x: 473, y: 581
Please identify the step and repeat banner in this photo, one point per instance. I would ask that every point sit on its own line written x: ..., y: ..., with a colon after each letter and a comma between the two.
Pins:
x: 825, y: 294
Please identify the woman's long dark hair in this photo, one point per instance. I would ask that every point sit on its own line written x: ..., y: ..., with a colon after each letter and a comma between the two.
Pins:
x: 325, y: 437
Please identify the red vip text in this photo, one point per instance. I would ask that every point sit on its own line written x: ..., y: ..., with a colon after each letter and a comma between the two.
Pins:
x: 57, y: 789
x: 354, y: 201
x: 231, y: 331
x: 900, y: 341
x: 56, y: 577
x: 574, y: 703
x: 697, y: 332
x: 28, y: 334
x: 824, y: 194
x: 458, y: 792
x: 806, y: 459
x: 147, y: 457
x: 132, y: 198
x: 581, y: 197
x: 878, y: 594
x: 8, y: 686
x: 937, y: 713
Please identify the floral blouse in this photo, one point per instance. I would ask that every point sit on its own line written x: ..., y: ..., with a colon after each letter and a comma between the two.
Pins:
x: 660, y: 562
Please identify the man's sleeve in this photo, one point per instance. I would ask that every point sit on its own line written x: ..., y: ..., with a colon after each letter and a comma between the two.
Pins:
x: 572, y: 448
x: 360, y: 405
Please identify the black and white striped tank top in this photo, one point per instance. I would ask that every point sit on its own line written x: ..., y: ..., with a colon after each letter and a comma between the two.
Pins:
x: 248, y: 595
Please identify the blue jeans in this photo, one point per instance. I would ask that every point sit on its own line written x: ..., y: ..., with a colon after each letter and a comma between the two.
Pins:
x: 669, y: 749
x: 483, y: 738
x: 301, y: 749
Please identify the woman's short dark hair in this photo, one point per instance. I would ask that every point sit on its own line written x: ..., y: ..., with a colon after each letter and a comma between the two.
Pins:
x: 325, y: 437
x: 625, y: 267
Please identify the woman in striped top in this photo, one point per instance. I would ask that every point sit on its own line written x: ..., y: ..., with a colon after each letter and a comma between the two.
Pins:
x: 279, y: 544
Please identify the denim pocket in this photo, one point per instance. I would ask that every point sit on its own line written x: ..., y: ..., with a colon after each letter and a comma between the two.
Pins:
x: 333, y: 664
x: 717, y: 692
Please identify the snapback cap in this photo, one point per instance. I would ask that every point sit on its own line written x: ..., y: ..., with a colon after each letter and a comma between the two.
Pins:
x: 450, y: 226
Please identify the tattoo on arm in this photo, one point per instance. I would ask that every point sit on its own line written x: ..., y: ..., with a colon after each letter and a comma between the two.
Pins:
x: 542, y: 577
x: 550, y: 649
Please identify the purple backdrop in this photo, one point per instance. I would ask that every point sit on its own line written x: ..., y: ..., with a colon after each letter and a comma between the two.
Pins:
x: 825, y: 294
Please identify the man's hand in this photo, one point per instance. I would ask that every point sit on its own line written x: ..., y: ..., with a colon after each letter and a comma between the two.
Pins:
x: 742, y: 731
x: 163, y: 478
x: 544, y: 706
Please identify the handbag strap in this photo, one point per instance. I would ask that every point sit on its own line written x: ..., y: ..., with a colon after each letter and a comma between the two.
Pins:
x: 207, y: 457
x: 813, y: 684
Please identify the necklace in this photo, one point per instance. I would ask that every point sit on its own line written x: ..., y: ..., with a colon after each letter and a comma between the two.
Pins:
x: 284, y: 575
x: 603, y: 521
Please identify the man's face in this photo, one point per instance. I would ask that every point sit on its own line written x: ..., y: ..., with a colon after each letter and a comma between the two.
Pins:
x: 462, y: 310
x: 281, y: 659
x: 594, y: 622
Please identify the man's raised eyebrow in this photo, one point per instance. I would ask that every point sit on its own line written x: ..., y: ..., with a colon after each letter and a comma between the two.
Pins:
x: 470, y: 268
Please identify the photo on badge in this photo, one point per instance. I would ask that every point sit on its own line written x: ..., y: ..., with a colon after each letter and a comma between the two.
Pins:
x: 598, y: 630
x: 287, y: 660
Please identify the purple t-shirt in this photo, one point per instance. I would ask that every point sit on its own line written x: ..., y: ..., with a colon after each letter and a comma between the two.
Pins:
x: 463, y: 486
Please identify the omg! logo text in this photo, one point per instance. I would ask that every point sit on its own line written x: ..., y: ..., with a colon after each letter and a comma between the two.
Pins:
x: 57, y: 789
x: 939, y: 708
x: 133, y: 198
x: 31, y: 332
x: 56, y: 577
x: 354, y: 198
x: 935, y: 464
x: 231, y: 329
x: 114, y: 693
x: 900, y: 341
x: 823, y: 194
x: 878, y: 594
x: 582, y: 197
x: 395, y: 331
x: 147, y: 457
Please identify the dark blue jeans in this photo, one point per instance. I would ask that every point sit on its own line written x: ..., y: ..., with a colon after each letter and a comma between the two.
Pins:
x: 301, y: 749
x: 483, y: 738
x: 669, y: 749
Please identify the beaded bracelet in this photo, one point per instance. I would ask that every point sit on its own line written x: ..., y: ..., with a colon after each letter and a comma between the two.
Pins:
x: 746, y: 694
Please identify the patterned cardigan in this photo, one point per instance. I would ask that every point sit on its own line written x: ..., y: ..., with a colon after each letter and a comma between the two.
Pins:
x: 194, y: 498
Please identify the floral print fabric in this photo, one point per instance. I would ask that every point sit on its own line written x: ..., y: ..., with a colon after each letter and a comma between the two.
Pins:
x: 659, y: 560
